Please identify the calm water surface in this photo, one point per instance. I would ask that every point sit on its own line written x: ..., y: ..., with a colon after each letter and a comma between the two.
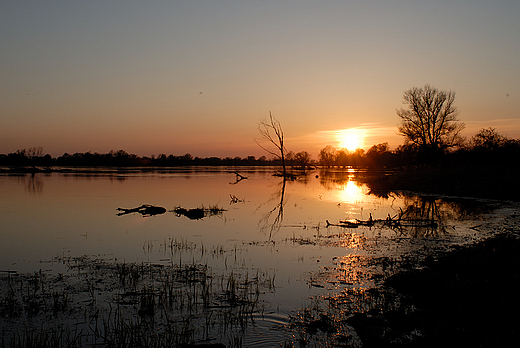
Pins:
x: 273, y: 227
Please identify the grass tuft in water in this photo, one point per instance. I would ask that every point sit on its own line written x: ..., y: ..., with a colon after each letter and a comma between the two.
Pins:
x: 112, y: 304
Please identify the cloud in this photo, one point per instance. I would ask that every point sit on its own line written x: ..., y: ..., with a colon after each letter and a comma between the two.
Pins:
x: 509, y: 127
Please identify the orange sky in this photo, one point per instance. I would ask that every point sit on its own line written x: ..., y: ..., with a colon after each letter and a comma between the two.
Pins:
x: 175, y: 76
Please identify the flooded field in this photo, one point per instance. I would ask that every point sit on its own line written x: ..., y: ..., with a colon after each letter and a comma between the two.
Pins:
x: 214, y: 256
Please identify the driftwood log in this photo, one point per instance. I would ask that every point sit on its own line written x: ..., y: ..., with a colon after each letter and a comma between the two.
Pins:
x: 192, y: 214
x: 144, y: 210
x: 239, y: 177
x: 389, y: 221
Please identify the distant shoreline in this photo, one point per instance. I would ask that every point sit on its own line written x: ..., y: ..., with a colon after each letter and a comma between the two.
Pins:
x: 490, y: 182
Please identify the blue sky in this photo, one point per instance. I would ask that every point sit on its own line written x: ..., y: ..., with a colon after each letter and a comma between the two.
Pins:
x: 196, y: 76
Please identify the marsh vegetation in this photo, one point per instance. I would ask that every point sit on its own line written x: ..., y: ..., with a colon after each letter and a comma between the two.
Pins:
x: 115, y: 304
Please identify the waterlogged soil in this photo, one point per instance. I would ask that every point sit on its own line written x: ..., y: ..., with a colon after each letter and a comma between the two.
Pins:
x: 467, y: 296
x: 464, y: 296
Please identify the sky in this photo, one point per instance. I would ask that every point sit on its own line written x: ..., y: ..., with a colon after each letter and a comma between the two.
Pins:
x: 177, y: 77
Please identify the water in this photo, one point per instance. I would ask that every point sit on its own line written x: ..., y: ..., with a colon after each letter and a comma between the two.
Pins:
x: 259, y: 225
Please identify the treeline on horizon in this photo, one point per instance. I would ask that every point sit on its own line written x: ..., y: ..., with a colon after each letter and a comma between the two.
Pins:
x: 487, y: 147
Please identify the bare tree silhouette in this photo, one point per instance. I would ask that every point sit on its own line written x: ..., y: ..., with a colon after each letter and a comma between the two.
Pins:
x: 35, y: 151
x: 271, y: 132
x: 430, y: 121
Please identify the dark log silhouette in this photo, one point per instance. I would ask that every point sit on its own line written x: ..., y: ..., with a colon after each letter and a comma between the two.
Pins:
x: 144, y: 210
x: 198, y: 213
x: 192, y: 214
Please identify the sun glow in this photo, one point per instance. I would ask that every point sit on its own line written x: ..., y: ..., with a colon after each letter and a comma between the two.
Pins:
x: 351, y: 139
x: 350, y: 192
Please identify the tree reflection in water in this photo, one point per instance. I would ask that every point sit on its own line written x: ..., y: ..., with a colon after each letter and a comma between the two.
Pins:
x: 423, y: 216
x: 33, y: 183
x: 271, y: 221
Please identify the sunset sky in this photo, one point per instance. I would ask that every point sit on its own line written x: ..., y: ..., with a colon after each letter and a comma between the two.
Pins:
x: 173, y: 77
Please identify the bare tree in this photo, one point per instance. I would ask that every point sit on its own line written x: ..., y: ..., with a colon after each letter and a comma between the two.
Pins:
x: 378, y: 149
x: 303, y: 159
x: 488, y: 139
x: 35, y: 151
x: 272, y: 133
x: 327, y: 156
x: 430, y: 121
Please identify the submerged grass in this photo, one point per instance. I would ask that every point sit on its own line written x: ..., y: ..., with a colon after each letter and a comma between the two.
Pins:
x: 113, y: 304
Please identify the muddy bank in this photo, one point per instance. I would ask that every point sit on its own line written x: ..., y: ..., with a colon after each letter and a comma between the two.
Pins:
x: 468, y: 297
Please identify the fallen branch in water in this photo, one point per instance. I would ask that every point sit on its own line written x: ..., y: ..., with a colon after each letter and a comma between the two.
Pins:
x: 239, y: 177
x: 389, y: 221
x: 144, y: 210
x: 198, y: 213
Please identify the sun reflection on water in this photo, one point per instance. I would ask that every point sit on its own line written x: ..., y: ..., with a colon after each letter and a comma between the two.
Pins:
x: 350, y: 192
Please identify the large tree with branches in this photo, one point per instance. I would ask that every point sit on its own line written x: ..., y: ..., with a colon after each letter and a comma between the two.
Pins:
x: 431, y: 120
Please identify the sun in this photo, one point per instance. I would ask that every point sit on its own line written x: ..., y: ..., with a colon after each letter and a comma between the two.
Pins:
x: 350, y: 139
